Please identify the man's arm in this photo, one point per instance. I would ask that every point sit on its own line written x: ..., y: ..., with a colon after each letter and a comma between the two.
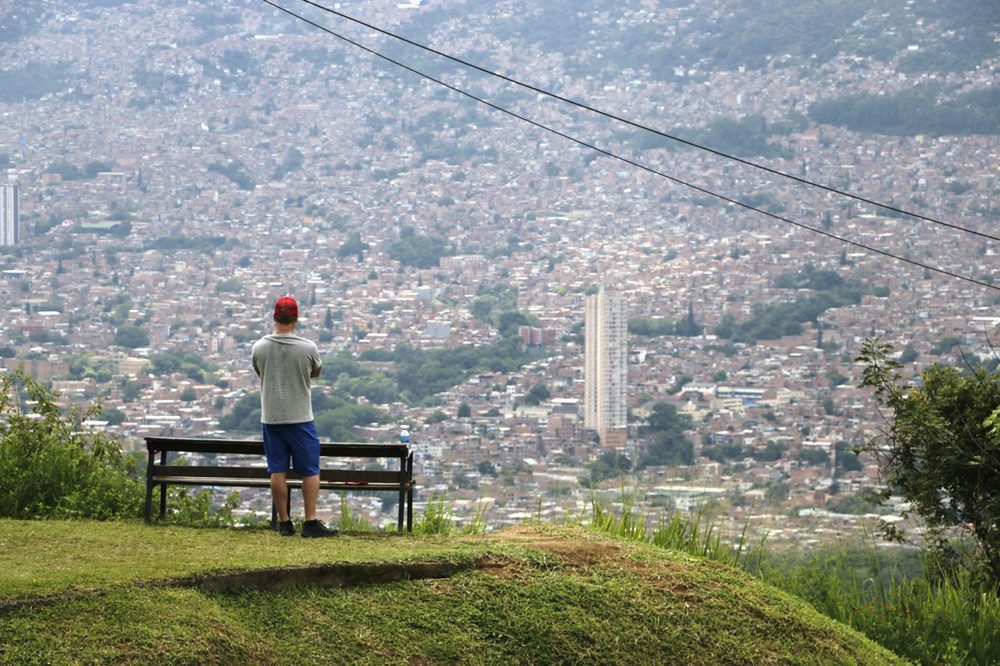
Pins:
x: 315, y: 362
x: 253, y: 358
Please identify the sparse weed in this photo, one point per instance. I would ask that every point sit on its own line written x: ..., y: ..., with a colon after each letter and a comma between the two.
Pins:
x: 437, y: 518
x: 351, y: 523
x: 698, y: 534
x: 478, y: 524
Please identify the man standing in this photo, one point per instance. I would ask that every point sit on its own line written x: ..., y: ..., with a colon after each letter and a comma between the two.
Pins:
x: 286, y: 364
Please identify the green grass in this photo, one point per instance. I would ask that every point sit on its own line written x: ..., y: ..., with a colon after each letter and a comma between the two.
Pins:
x: 40, y: 558
x: 535, y: 595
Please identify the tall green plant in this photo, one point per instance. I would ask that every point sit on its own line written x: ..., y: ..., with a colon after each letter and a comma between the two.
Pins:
x: 936, y: 617
x: 349, y: 522
x: 51, y: 466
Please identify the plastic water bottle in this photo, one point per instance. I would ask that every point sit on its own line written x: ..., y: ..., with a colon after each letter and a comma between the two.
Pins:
x: 404, y: 436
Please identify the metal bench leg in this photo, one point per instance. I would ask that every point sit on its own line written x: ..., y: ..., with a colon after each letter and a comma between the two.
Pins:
x: 409, y: 509
x: 148, y: 512
x: 402, y: 506
x: 409, y: 492
x: 163, y: 501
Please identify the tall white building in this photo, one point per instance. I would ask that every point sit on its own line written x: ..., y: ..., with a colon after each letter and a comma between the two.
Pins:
x: 10, y: 219
x: 605, y: 371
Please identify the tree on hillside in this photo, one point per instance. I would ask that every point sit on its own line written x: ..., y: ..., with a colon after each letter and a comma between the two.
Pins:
x: 941, y: 449
x: 419, y: 251
x: 688, y: 326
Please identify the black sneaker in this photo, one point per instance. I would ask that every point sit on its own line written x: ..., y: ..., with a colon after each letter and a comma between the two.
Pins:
x: 286, y: 528
x: 316, y: 528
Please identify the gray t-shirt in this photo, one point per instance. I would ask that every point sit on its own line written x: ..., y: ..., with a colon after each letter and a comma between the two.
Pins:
x: 285, y: 363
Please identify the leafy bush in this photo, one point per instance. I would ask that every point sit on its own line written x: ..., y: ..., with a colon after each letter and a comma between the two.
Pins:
x: 51, y: 467
x: 188, y: 506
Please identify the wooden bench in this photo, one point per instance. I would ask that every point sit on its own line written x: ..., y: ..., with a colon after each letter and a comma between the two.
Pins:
x: 160, y: 472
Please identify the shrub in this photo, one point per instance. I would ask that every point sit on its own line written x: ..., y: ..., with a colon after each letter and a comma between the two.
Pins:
x: 51, y: 467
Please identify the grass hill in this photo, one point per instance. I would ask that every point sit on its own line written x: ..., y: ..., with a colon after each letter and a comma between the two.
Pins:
x: 87, y: 592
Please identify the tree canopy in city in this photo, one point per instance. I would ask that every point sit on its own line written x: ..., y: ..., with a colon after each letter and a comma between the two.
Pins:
x: 666, y: 443
x: 413, y: 249
x: 913, y: 111
x: 420, y: 373
x: 775, y: 320
x: 131, y: 336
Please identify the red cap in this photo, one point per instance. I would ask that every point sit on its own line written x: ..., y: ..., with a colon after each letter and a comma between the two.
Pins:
x: 286, y: 308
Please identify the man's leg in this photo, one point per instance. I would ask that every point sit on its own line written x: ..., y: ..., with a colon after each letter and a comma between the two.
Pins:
x: 279, y: 495
x: 310, y: 494
x: 305, y: 461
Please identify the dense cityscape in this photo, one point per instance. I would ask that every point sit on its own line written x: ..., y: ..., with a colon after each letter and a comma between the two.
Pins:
x: 169, y: 188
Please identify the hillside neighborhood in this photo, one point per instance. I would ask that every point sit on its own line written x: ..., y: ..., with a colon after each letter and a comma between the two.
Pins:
x: 173, y: 186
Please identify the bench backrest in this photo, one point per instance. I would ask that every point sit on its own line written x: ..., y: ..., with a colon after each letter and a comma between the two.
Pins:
x: 209, y: 472
x: 256, y: 447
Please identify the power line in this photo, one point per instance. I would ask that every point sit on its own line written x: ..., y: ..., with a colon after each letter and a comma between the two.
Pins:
x: 665, y: 135
x: 627, y: 160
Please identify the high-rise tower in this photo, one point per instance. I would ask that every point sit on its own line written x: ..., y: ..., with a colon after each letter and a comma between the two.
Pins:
x: 606, y: 367
x: 9, y: 215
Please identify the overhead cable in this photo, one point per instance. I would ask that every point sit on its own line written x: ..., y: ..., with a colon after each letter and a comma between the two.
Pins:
x: 626, y: 160
x: 637, y: 125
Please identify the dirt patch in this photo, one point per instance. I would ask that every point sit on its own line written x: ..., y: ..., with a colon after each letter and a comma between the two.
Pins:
x: 583, y: 551
x: 571, y: 552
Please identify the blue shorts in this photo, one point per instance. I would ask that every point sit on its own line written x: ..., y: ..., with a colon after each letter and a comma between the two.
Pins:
x: 297, y: 443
